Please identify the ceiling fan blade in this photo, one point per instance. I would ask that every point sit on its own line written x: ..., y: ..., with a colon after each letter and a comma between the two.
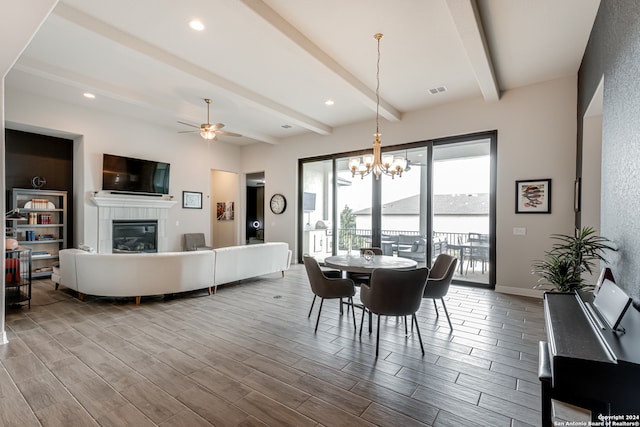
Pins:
x: 188, y: 131
x: 221, y: 132
x: 217, y: 126
x: 188, y: 124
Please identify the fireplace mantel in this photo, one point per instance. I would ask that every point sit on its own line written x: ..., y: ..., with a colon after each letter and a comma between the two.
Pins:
x: 129, y: 201
x: 130, y: 207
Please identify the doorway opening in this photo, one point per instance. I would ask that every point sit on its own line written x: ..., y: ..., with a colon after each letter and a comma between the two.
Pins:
x: 255, y: 208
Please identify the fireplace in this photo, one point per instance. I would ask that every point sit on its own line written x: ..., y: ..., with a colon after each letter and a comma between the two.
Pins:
x: 126, y: 208
x: 135, y: 236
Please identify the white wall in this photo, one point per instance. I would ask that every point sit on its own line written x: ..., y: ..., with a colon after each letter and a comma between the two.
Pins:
x: 95, y: 133
x: 536, y: 139
x: 18, y: 23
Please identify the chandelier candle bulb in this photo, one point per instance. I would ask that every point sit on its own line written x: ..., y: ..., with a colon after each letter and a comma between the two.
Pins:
x: 387, y: 161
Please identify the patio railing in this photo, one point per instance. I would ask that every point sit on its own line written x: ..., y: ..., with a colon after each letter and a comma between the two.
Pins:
x: 398, y: 242
x: 354, y: 238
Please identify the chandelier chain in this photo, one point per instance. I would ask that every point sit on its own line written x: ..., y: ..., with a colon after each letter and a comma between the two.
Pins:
x: 378, y: 37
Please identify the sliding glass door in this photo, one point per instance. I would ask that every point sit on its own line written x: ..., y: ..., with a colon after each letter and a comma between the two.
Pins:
x: 316, y: 207
x: 461, y: 206
x: 404, y: 208
x: 353, y: 205
x: 441, y: 204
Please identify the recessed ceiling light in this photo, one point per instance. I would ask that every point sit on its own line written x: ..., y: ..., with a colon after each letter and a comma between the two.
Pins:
x: 196, y: 25
x: 89, y: 95
x: 329, y: 102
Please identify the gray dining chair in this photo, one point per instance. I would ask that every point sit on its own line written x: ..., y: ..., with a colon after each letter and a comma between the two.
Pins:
x: 328, y: 288
x: 195, y: 242
x: 439, y: 281
x: 394, y: 293
x: 359, y: 278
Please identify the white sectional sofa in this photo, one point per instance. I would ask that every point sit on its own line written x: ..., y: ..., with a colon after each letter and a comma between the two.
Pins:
x: 143, y: 274
x: 235, y: 263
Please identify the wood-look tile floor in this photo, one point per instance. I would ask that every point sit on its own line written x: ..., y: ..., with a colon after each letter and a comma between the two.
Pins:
x: 248, y: 356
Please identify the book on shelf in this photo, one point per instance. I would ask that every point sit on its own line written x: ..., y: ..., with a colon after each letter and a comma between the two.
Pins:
x: 45, y: 237
x: 40, y: 204
x: 44, y: 218
x: 40, y: 253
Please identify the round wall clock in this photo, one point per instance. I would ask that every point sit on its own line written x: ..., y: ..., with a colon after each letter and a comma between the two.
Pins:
x: 278, y: 204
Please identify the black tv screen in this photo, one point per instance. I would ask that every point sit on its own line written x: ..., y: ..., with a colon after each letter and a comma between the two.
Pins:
x: 129, y: 175
x: 308, y: 202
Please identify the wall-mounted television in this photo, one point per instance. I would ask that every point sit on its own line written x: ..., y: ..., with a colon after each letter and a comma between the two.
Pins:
x: 308, y: 202
x: 129, y: 175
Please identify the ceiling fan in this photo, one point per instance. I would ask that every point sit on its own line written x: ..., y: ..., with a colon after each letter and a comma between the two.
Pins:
x: 208, y: 130
x: 412, y: 163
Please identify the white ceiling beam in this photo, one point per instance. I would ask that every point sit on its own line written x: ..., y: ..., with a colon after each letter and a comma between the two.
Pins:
x: 466, y: 19
x: 278, y: 22
x: 127, y: 40
x: 19, y: 22
x: 83, y: 82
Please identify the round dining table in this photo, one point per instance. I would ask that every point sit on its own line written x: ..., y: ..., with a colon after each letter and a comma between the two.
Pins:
x: 358, y: 264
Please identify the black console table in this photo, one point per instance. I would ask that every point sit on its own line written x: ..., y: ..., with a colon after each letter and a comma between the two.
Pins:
x: 17, y: 269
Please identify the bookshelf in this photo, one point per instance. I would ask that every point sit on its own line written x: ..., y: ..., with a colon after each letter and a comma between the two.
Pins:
x: 44, y: 230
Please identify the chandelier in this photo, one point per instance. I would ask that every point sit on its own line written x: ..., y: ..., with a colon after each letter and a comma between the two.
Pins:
x: 376, y: 162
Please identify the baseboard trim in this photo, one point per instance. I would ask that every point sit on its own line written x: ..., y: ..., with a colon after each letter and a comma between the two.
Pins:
x: 524, y: 292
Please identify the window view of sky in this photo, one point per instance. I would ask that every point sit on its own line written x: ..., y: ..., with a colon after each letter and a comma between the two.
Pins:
x: 456, y: 176
x: 460, y: 176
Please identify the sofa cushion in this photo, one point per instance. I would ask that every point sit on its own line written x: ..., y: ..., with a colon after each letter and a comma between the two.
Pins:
x: 242, y: 262
x: 140, y: 274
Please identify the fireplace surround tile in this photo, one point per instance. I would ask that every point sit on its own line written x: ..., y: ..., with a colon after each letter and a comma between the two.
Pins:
x: 125, y: 207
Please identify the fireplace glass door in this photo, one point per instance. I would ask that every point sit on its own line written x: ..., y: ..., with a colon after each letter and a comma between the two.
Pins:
x: 135, y: 236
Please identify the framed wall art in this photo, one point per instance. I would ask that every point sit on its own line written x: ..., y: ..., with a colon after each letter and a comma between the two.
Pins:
x: 225, y: 211
x: 191, y: 200
x: 533, y: 196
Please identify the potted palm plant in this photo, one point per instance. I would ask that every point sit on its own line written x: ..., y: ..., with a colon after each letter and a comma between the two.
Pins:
x: 569, y: 257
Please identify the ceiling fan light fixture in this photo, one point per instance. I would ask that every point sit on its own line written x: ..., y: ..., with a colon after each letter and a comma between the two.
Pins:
x: 208, y: 134
x: 208, y: 130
